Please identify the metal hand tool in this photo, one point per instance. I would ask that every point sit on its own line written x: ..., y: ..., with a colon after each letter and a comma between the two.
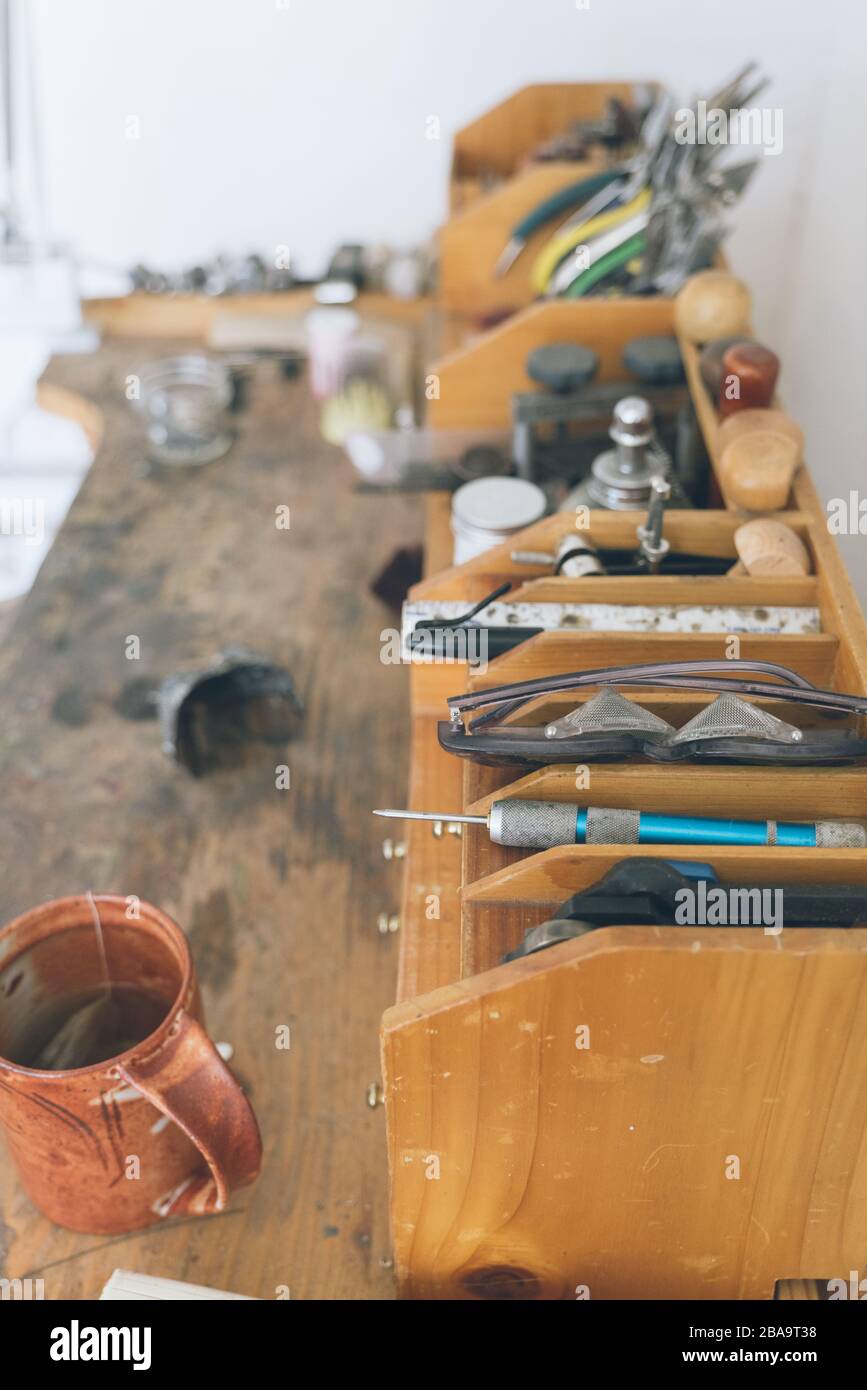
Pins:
x: 688, y: 194
x: 559, y: 247
x: 621, y: 256
x: 555, y: 430
x: 545, y: 824
x: 621, y: 235
x: 632, y: 176
x: 620, y: 479
x: 585, y: 560
x: 684, y: 227
x: 576, y: 557
x: 653, y: 545
x: 594, y: 193
x: 441, y: 630
x: 551, y: 207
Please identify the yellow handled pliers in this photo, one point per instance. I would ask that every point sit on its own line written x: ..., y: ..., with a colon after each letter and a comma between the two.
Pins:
x: 554, y: 251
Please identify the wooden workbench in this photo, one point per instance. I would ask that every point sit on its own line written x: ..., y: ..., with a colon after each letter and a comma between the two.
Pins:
x: 279, y: 891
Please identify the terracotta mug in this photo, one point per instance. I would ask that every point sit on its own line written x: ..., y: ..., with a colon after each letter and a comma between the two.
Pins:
x: 158, y: 1129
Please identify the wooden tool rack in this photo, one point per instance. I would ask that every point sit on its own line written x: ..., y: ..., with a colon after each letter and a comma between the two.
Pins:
x: 493, y: 185
x: 709, y: 1142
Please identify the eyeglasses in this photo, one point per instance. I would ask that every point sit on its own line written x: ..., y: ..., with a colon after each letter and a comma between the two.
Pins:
x: 610, y: 726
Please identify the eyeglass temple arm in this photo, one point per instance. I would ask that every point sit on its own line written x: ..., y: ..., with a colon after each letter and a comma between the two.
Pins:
x: 602, y: 675
x: 677, y: 675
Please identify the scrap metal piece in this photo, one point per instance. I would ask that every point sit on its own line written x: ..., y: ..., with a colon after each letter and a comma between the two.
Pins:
x: 210, y: 718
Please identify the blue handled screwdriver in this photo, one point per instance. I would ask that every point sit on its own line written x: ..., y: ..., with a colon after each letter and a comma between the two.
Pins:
x: 543, y: 824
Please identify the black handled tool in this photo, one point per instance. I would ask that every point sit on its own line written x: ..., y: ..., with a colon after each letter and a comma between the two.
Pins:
x: 650, y: 892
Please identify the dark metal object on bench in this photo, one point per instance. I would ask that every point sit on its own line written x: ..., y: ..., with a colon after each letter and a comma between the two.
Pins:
x: 641, y: 891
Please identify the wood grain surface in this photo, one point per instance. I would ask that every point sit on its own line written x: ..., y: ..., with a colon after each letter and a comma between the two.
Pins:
x: 522, y: 1167
x: 645, y: 1112
x: 278, y: 891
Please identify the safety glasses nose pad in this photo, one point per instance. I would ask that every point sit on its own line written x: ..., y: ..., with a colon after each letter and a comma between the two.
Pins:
x: 609, y: 712
x: 731, y: 717
x: 728, y: 716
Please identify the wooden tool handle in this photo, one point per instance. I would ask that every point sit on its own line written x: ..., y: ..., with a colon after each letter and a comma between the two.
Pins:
x: 757, y: 470
x: 711, y: 305
x: 745, y: 421
x: 748, y: 379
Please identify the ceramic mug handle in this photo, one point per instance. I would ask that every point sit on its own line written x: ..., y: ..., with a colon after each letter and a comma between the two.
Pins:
x: 188, y: 1080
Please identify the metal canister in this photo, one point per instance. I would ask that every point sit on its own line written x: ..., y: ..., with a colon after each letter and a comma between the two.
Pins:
x: 488, y: 510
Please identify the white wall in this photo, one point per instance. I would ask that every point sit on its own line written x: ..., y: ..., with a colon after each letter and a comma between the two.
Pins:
x: 824, y: 298
x: 302, y: 122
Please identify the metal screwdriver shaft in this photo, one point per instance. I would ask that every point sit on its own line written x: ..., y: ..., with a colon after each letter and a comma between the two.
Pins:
x: 433, y: 815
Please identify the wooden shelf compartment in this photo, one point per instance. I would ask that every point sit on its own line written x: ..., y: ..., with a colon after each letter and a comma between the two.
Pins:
x: 497, y: 144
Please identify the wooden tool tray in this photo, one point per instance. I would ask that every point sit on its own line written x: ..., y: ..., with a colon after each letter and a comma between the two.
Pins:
x: 495, y: 146
x: 523, y: 1164
x: 492, y: 186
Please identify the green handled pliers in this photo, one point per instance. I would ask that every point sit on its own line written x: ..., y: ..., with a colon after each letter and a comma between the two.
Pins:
x: 591, y: 194
x: 606, y: 265
x: 573, y: 195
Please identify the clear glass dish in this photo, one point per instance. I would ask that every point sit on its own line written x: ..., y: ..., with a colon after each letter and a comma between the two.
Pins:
x: 184, y: 402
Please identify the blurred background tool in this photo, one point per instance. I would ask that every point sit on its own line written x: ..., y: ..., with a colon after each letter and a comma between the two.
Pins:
x: 552, y: 207
x: 595, y: 193
x: 577, y: 557
x: 645, y: 226
x: 558, y: 429
x: 652, y: 544
x: 608, y: 251
x: 542, y: 441
x: 547, y: 273
x: 417, y: 459
x: 617, y: 130
x: 745, y: 421
x: 622, y: 478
